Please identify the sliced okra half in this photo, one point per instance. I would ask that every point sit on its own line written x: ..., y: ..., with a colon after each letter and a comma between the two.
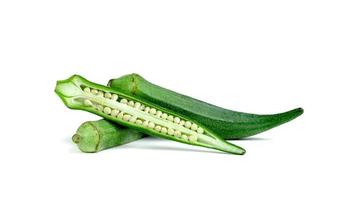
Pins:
x: 78, y: 93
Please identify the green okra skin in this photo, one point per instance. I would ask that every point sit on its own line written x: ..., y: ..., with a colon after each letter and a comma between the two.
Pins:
x: 95, y: 136
x: 226, y: 123
x: 78, y: 93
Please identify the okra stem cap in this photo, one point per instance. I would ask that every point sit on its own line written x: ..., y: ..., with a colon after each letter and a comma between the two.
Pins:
x: 87, y: 138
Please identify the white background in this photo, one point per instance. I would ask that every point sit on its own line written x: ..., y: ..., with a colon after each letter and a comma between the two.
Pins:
x: 252, y: 56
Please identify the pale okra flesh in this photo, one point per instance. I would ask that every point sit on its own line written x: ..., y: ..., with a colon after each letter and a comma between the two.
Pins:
x: 79, y: 93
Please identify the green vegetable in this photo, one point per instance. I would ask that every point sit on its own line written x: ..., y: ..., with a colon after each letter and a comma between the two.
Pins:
x: 152, y: 119
x: 94, y: 136
x: 226, y: 123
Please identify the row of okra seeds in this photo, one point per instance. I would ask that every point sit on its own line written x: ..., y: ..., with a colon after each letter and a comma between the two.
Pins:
x: 190, y: 131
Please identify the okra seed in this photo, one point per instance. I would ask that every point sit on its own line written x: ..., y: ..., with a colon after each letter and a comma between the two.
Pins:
x: 114, y: 112
x: 99, y: 108
x: 159, y: 113
x: 177, y: 133
x: 108, y: 95
x: 124, y: 101
x: 145, y: 123
x: 158, y: 128
x: 87, y: 102
x: 164, y: 130
x: 194, y: 127
x: 107, y: 110
x: 184, y: 137
x: 200, y: 130
x: 87, y: 90
x: 142, y: 107
x: 192, y: 138
x: 120, y: 115
x: 170, y: 118
x: 164, y: 116
x: 94, y: 91
x: 152, y: 111
x: 114, y: 97
x: 100, y: 93
x: 147, y: 109
x: 126, y: 117
x: 177, y: 120
x: 133, y: 119
x: 188, y: 124
x: 138, y: 121
x: 131, y: 103
x: 137, y: 105
x: 151, y: 125
x: 182, y: 122
x: 171, y: 131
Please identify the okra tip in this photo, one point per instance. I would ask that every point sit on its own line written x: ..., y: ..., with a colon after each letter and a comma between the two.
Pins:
x: 237, y: 149
x: 242, y: 151
x: 301, y: 110
x: 294, y: 113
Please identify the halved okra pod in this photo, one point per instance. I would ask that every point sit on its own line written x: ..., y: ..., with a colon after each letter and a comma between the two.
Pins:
x: 226, y: 123
x: 94, y: 136
x: 79, y: 93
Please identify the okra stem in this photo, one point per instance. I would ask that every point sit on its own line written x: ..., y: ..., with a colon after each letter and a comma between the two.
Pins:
x: 95, y: 136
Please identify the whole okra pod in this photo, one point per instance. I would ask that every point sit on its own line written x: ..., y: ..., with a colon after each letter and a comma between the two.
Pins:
x: 226, y: 123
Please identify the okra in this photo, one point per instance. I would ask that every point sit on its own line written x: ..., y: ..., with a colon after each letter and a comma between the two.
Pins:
x: 226, y: 123
x: 78, y: 93
x: 94, y: 136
